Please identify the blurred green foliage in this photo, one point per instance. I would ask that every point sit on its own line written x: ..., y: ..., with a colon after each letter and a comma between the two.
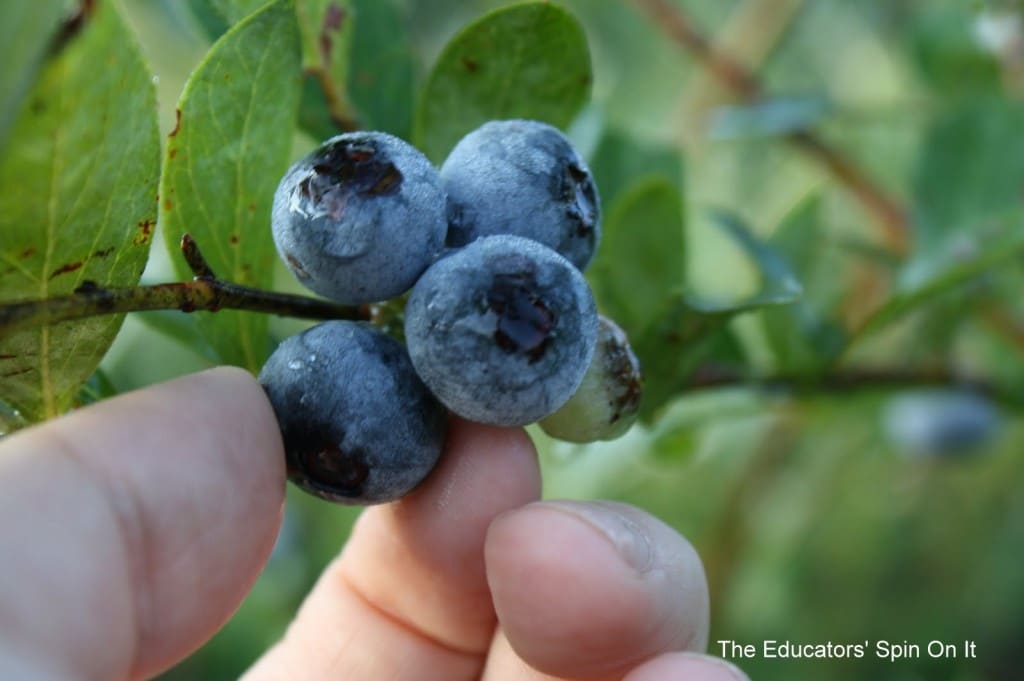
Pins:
x: 775, y: 318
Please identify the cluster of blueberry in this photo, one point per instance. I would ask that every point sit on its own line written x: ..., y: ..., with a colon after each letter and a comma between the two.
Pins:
x: 500, y: 325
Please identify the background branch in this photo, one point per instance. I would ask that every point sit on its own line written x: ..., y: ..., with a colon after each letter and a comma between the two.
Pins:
x: 854, y: 379
x: 888, y: 213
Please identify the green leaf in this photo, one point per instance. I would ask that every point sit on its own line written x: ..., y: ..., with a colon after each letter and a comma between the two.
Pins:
x: 676, y: 436
x: 98, y: 387
x: 77, y: 203
x: 925, y: 280
x: 182, y: 328
x: 235, y: 10
x: 672, y: 348
x: 380, y: 79
x: 620, y: 160
x: 223, y: 162
x: 972, y: 167
x: 26, y: 30
x: 10, y: 419
x: 947, y: 53
x: 688, y: 331
x: 642, y: 256
x: 802, y: 336
x: 525, y: 61
x: 325, y: 27
x: 210, y: 19
x: 779, y: 286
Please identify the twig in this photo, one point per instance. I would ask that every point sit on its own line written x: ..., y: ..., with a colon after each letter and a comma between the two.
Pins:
x: 679, y: 27
x: 850, y: 380
x: 751, y: 32
x: 204, y: 292
x: 338, y: 107
x: 194, y: 257
x: 1002, y: 324
x: 890, y: 215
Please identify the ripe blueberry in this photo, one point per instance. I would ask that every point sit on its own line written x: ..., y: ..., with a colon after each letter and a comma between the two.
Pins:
x: 939, y: 422
x: 502, y: 330
x: 606, y: 403
x: 524, y: 178
x: 359, y: 218
x: 359, y: 427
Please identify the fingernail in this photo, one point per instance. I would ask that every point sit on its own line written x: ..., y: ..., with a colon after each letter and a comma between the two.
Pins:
x: 629, y: 537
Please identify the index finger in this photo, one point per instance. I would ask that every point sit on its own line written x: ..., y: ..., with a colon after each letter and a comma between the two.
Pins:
x: 408, y: 597
x: 131, y: 530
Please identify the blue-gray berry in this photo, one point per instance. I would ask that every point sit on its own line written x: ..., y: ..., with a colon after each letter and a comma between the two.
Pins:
x: 358, y: 219
x: 939, y: 422
x: 359, y: 427
x: 502, y: 331
x: 525, y: 178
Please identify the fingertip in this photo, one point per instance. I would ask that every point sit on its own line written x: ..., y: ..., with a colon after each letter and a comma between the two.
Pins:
x: 686, y: 667
x: 504, y: 458
x: 590, y: 589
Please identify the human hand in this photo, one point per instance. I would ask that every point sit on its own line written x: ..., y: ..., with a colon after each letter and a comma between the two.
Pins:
x: 131, y: 530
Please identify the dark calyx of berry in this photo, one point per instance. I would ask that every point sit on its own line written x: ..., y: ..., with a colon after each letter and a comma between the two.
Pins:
x: 346, y: 167
x: 326, y: 466
x: 577, y: 192
x: 524, y: 321
x: 623, y: 365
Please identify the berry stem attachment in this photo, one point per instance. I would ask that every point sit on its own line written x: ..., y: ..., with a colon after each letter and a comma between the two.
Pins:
x: 205, y: 292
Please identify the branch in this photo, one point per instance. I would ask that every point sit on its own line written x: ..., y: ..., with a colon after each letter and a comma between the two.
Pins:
x: 999, y: 321
x: 678, y: 27
x: 204, y: 292
x: 338, y: 107
x: 843, y: 381
x: 890, y: 215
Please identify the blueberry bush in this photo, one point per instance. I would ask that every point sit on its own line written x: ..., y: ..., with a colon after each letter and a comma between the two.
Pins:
x: 786, y: 236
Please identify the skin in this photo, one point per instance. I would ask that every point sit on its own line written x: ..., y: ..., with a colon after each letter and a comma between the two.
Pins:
x: 123, y: 553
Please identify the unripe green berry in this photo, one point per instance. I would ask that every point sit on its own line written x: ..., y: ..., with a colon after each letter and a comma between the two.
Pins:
x: 607, y: 401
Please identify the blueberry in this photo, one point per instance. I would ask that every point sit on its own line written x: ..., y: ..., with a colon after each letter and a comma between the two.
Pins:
x: 502, y: 330
x: 524, y: 178
x: 939, y: 422
x: 606, y: 403
x: 359, y: 218
x: 359, y: 427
